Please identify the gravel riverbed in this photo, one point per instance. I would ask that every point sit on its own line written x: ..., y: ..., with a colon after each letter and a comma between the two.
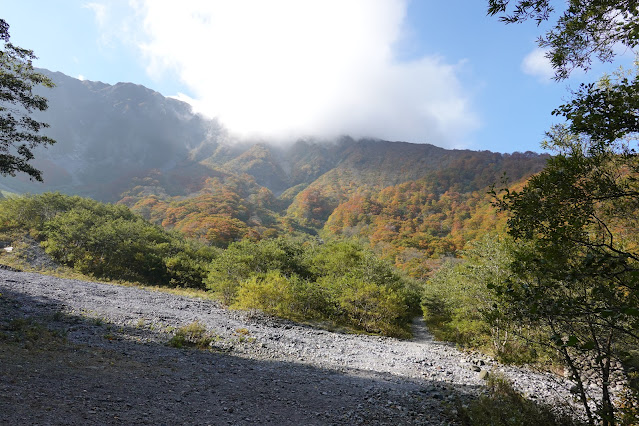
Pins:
x: 261, y: 370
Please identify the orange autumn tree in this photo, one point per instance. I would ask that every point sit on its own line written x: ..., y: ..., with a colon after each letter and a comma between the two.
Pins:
x: 224, y: 210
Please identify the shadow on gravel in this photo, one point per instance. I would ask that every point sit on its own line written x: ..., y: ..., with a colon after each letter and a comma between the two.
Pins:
x: 100, y: 374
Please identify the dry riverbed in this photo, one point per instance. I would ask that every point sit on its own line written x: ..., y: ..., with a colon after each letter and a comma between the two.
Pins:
x: 118, y: 369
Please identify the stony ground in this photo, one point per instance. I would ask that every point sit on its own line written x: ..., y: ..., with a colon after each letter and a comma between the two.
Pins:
x: 118, y: 369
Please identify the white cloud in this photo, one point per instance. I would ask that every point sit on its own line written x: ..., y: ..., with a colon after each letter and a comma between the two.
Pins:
x: 117, y: 23
x: 284, y: 69
x: 103, y: 19
x: 81, y: 77
x: 538, y: 65
x: 100, y: 12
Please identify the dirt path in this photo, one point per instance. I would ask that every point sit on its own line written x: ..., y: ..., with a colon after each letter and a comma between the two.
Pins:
x: 120, y: 371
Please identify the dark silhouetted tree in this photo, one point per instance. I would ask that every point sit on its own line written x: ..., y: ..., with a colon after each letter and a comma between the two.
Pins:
x: 18, y: 130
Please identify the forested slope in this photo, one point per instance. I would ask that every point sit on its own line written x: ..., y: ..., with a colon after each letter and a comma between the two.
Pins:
x: 128, y: 144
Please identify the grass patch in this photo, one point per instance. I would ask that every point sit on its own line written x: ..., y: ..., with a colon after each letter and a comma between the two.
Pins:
x: 193, y: 335
x: 31, y: 334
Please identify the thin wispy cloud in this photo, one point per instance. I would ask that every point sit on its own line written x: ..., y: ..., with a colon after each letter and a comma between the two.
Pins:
x: 284, y: 69
x: 118, y: 22
x: 104, y: 21
x: 538, y: 65
x: 100, y: 12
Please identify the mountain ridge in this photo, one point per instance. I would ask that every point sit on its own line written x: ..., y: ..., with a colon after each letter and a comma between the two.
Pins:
x: 129, y: 144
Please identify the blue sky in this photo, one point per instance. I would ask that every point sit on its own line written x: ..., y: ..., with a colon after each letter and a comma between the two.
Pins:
x: 438, y: 72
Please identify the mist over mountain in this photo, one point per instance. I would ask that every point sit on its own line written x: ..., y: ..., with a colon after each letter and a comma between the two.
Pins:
x: 129, y: 144
x: 109, y: 133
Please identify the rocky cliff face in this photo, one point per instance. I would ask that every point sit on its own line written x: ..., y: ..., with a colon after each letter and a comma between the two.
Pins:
x: 107, y: 134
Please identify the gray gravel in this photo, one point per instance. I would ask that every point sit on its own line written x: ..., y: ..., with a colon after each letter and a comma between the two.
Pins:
x: 261, y: 370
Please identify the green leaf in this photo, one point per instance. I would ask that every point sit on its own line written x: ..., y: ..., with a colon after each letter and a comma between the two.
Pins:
x: 572, y: 341
x: 632, y: 311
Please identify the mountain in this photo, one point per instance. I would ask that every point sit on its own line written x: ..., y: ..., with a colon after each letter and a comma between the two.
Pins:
x: 129, y: 144
x: 107, y: 134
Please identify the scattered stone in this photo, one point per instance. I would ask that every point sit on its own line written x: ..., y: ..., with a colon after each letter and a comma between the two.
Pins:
x: 363, y: 379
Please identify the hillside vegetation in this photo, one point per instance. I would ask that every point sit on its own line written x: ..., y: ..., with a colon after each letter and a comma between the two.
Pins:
x: 341, y: 282
x: 104, y: 240
x: 337, y: 283
x: 413, y: 204
x: 412, y: 215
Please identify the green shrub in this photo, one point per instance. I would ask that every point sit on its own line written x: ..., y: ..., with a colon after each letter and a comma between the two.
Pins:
x: 336, y: 258
x: 105, y: 240
x: 313, y: 300
x: 32, y: 212
x: 286, y: 297
x: 453, y: 303
x: 244, y: 259
x: 187, y: 264
x: 193, y: 335
x: 458, y: 306
x: 338, y: 282
x: 333, y: 262
x: 372, y: 307
x: 270, y: 292
x: 108, y: 245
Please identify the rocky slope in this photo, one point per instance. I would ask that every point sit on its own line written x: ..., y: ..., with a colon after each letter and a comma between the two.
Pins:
x: 107, y: 135
x: 259, y: 370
